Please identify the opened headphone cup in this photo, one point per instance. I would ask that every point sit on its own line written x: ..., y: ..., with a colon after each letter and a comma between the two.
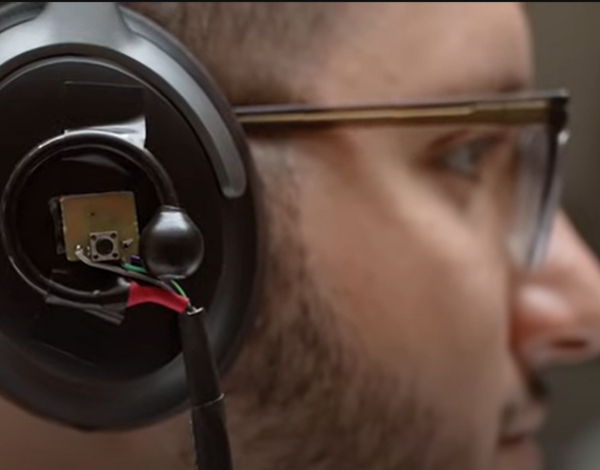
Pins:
x: 192, y: 174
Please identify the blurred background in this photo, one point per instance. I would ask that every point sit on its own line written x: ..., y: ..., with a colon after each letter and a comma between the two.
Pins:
x: 567, y: 46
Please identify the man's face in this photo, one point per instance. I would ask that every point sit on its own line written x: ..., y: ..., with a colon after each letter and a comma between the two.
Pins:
x: 395, y: 333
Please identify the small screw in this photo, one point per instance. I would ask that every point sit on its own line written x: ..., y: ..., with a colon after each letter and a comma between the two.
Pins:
x: 93, y: 237
x: 113, y: 235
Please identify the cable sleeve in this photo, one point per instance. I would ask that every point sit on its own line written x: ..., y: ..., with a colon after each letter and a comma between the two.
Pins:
x: 139, y: 294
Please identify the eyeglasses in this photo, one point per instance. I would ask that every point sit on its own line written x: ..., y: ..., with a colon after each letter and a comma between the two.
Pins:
x: 541, y: 120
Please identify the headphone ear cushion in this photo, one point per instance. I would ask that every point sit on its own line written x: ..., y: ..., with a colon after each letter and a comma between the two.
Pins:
x: 18, y: 12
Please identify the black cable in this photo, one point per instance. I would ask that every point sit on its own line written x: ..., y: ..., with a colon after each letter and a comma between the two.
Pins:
x: 83, y: 140
x: 211, y: 441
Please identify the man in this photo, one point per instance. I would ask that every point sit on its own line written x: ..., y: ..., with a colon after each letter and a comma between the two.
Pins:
x: 394, y: 330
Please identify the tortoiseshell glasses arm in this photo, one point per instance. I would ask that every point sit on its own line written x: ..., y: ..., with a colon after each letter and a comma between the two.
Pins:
x: 509, y: 109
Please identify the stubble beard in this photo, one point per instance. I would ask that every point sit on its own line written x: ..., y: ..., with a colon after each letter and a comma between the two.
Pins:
x: 301, y: 396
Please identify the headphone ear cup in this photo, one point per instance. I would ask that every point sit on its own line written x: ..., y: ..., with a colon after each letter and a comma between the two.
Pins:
x: 119, y: 378
x: 15, y: 13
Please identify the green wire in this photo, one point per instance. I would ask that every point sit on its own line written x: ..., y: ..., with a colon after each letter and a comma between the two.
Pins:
x: 179, y: 289
x: 134, y: 268
x: 139, y: 269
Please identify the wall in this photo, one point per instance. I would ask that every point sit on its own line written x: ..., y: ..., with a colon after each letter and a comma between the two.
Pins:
x: 567, y: 46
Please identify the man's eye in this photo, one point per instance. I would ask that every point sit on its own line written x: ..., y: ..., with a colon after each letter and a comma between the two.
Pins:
x: 466, y: 159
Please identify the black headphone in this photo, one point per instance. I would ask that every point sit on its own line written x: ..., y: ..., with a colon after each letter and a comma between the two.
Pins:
x: 97, y: 101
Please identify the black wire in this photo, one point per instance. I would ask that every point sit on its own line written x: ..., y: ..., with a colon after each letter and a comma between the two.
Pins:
x: 54, y: 148
x: 120, y: 271
x: 211, y: 442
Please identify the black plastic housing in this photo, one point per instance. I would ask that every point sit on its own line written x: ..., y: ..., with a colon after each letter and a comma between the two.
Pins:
x: 171, y: 245
x: 64, y: 364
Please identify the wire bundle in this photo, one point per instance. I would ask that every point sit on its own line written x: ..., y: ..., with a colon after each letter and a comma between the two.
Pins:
x: 149, y: 290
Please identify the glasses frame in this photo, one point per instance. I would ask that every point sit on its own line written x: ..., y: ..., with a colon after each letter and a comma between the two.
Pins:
x: 516, y: 108
x: 532, y: 107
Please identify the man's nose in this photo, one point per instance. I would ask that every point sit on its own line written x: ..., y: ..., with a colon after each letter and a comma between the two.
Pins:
x: 557, y: 309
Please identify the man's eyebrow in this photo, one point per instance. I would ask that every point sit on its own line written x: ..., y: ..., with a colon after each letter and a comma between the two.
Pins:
x: 502, y: 79
x: 513, y: 85
x: 451, y: 134
x: 483, y: 88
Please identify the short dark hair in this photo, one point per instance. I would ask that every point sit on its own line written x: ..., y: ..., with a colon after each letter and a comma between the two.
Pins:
x: 252, y: 49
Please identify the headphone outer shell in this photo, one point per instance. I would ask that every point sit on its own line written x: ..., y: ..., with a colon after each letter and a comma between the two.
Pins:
x: 44, y: 47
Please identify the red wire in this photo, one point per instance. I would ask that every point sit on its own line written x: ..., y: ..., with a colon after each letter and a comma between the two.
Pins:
x: 139, y: 294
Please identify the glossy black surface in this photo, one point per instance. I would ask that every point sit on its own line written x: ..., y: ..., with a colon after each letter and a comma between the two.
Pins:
x: 171, y: 245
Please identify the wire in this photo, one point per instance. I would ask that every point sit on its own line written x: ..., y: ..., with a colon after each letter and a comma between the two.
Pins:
x: 206, y: 403
x: 117, y: 270
x: 178, y: 288
x: 158, y: 293
x: 139, y: 294
x: 134, y: 268
x: 139, y: 269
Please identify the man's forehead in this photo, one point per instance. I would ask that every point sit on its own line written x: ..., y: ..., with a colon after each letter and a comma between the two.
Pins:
x: 411, y: 50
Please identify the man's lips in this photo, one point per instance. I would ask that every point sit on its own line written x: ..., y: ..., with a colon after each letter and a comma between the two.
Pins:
x: 517, y: 445
x: 520, y: 454
x: 523, y: 424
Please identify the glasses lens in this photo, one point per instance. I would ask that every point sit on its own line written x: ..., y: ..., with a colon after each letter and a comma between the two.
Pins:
x: 538, y: 192
x: 551, y: 198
